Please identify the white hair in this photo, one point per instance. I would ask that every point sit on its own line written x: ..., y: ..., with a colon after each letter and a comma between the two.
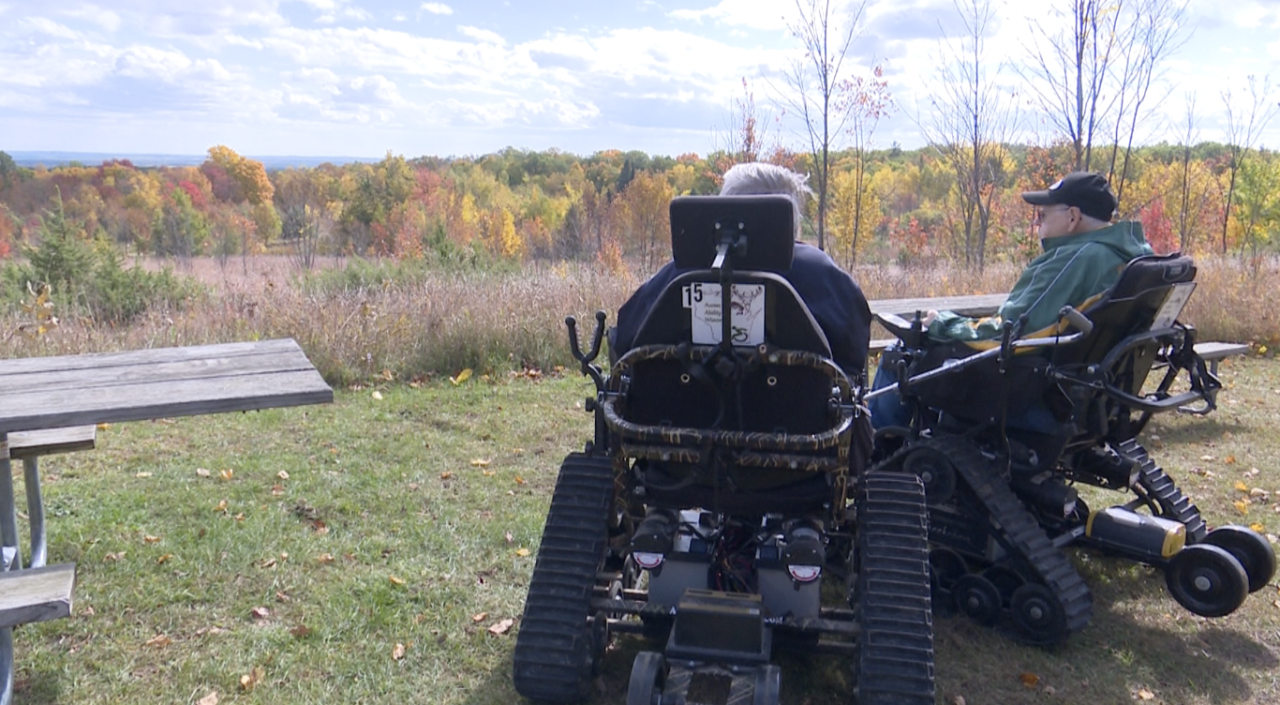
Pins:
x: 759, y: 178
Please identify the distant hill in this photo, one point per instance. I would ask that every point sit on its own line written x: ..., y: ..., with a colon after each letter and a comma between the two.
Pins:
x: 52, y: 159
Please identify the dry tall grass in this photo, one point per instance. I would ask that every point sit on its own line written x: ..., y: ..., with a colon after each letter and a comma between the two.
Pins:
x: 494, y: 321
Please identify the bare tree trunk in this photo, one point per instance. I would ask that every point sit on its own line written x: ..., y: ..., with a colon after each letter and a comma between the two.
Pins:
x: 1184, y: 202
x: 972, y: 120
x: 816, y: 84
x: 1242, y: 132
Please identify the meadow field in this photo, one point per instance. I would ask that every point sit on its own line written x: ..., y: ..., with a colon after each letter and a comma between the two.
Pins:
x: 378, y: 549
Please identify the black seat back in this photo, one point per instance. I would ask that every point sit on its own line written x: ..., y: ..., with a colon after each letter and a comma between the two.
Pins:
x: 766, y: 397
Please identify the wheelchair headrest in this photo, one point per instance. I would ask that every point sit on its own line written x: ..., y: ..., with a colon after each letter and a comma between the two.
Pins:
x: 1153, y: 271
x: 766, y: 222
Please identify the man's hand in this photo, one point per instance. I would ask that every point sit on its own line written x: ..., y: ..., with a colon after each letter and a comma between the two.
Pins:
x: 929, y: 318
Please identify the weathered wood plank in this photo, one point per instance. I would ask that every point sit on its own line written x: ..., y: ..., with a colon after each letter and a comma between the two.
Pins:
x: 36, y: 595
x: 980, y: 305
x: 37, y: 409
x: 25, y: 365
x: 115, y: 374
x: 1217, y: 351
x: 26, y: 444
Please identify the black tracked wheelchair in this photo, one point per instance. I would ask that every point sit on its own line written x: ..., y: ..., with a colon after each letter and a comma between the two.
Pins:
x: 716, y: 496
x: 1001, y: 494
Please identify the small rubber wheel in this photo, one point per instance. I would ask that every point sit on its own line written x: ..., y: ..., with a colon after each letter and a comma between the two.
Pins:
x: 1207, y: 580
x: 936, y: 472
x: 977, y: 598
x: 648, y: 677
x: 1252, y: 549
x: 1006, y: 580
x: 946, y: 567
x: 1038, y: 614
x: 768, y: 685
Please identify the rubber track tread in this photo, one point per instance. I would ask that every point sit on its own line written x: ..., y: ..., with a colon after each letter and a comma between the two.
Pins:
x: 1161, y: 488
x: 1022, y: 531
x: 895, y: 652
x: 553, y: 649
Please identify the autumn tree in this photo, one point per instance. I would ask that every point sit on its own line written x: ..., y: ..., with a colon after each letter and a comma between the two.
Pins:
x: 1155, y: 29
x: 816, y: 84
x: 1246, y: 118
x: 865, y: 100
x: 972, y: 119
x: 644, y: 211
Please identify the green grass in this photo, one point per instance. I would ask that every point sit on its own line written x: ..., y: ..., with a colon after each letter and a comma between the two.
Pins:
x: 424, y: 499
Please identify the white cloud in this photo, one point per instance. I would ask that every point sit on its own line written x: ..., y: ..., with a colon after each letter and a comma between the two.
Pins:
x: 437, y: 8
x: 370, y: 90
x: 53, y: 29
x: 482, y: 35
x: 105, y: 19
x: 149, y: 62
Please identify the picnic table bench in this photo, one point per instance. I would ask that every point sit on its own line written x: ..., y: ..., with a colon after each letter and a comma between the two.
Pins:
x: 987, y: 304
x: 53, y: 404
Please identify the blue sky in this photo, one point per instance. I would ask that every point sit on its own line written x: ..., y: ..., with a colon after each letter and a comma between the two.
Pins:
x: 447, y: 77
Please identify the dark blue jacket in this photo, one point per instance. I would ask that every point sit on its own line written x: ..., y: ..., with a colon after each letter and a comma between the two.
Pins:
x: 834, y: 299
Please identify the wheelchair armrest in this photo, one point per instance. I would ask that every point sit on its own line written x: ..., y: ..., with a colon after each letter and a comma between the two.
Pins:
x: 900, y: 328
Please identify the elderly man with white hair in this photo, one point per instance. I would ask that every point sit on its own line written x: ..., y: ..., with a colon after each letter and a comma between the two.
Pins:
x: 834, y: 299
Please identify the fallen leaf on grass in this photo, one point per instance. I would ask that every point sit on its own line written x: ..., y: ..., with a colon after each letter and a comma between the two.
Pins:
x: 1029, y: 679
x: 227, y: 474
x: 487, y: 473
x: 164, y: 559
x: 325, y: 558
x: 210, y: 699
x: 142, y: 474
x: 1241, y: 487
x: 277, y: 490
x: 519, y: 480
x: 222, y: 506
x: 282, y: 596
x: 283, y: 475
x: 446, y: 475
x: 507, y: 536
x: 1242, y: 506
x: 250, y: 680
x: 300, y: 631
x: 395, y: 580
x: 397, y: 652
x: 461, y: 377
x: 319, y: 527
x: 114, y: 556
x: 479, y: 617
x: 151, y: 539
x: 1144, y: 694
x: 522, y: 552
x: 377, y: 396
x: 260, y: 612
x: 479, y: 462
x: 202, y: 472
x: 159, y: 640
x: 501, y: 627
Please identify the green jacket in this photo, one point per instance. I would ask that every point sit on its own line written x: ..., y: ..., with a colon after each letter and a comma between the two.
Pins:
x: 1072, y: 269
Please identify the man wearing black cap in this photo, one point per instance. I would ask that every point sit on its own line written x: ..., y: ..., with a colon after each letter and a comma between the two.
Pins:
x: 1084, y: 253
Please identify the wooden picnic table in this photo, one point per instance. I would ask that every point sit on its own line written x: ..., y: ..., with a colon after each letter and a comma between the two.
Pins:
x: 77, y: 390
x: 978, y: 305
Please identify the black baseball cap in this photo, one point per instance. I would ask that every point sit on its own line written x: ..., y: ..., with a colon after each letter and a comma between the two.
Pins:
x: 1085, y: 190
